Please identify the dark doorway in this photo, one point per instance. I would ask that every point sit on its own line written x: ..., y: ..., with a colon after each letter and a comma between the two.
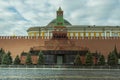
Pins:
x: 59, y: 59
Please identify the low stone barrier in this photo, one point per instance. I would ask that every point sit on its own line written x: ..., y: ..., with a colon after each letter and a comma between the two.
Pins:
x: 59, y: 66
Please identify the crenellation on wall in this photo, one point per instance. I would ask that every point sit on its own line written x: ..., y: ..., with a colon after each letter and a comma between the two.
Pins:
x: 47, y: 38
x: 19, y: 37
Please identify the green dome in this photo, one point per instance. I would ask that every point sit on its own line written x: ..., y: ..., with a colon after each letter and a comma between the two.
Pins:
x: 52, y: 23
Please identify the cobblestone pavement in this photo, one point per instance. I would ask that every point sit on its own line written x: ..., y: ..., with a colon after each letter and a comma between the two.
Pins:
x: 58, y: 74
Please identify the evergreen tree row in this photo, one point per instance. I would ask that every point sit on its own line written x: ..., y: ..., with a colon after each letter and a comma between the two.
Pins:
x: 6, y: 59
x: 112, y: 59
x: 40, y: 59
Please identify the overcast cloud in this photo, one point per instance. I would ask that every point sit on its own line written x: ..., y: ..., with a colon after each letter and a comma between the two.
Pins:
x: 16, y: 16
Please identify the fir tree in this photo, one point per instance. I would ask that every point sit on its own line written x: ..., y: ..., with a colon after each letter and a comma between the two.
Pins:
x: 77, y: 60
x: 89, y: 59
x: 2, y: 52
x: 112, y: 59
x: 17, y: 60
x: 9, y: 58
x: 4, y: 59
x: 40, y: 58
x: 101, y: 60
x: 28, y: 59
x: 115, y: 51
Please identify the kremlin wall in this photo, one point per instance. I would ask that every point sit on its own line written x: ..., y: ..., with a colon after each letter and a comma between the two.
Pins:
x: 17, y: 44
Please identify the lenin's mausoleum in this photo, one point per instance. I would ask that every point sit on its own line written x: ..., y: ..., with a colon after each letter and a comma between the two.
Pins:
x: 60, y: 41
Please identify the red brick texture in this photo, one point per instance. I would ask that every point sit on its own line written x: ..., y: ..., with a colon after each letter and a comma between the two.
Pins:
x: 16, y: 46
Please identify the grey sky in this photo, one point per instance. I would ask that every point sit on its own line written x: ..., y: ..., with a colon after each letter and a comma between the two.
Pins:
x: 16, y: 16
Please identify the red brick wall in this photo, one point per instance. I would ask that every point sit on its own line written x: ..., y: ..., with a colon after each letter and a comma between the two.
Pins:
x: 16, y: 46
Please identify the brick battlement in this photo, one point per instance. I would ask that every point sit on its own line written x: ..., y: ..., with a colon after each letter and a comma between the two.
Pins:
x: 19, y: 37
x: 71, y: 38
